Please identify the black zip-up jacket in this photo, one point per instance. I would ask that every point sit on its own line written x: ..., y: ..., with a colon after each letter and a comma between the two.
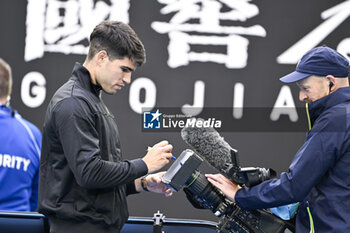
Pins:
x: 83, y: 181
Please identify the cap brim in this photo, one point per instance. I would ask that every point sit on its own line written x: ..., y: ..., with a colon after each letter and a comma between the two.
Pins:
x: 294, y: 77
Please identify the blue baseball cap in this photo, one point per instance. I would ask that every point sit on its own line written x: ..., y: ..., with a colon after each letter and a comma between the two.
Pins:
x: 319, y: 61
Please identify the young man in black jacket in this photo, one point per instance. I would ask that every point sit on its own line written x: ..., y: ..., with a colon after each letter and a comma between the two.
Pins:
x: 84, y: 180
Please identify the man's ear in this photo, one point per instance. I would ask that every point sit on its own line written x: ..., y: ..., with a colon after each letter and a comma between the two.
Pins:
x: 332, y: 83
x: 101, y: 57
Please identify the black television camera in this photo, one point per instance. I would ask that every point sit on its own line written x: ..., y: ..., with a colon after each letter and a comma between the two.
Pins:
x: 184, y: 174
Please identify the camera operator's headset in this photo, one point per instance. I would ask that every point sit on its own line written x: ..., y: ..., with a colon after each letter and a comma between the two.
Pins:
x: 331, y: 84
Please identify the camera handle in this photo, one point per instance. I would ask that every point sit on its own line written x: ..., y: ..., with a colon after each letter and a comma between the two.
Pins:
x: 233, y: 170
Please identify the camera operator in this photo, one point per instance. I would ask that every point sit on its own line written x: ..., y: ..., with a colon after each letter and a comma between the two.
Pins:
x: 318, y: 177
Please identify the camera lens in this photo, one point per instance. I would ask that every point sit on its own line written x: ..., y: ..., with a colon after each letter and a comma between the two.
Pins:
x: 206, y: 194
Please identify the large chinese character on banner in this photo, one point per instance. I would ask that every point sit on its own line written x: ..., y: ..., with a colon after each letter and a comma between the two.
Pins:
x: 183, y: 32
x: 63, y: 26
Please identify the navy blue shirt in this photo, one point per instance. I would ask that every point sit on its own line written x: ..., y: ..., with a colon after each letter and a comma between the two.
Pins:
x: 20, y: 143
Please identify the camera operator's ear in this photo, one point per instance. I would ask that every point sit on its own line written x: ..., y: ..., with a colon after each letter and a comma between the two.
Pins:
x: 331, y: 84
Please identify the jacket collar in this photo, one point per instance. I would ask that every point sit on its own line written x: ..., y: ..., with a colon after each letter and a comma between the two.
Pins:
x: 4, y: 109
x: 82, y: 74
x: 317, y: 107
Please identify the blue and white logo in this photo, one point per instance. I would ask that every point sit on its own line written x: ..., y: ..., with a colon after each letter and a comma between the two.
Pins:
x: 151, y: 120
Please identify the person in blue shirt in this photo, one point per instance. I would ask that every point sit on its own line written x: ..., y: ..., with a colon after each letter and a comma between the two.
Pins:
x: 20, y: 144
x: 318, y: 177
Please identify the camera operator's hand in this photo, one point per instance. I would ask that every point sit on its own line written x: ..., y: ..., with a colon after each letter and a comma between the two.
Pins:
x: 158, y: 156
x: 153, y: 183
x: 224, y: 184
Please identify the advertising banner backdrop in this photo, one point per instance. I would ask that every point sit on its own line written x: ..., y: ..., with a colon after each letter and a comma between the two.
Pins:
x: 217, y: 59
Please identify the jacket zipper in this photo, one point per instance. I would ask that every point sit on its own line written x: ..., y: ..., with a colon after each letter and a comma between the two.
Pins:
x: 104, y: 106
x: 312, y: 228
x: 308, y: 115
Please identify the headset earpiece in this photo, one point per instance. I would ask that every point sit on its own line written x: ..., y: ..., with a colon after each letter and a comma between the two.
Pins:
x: 330, y: 84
